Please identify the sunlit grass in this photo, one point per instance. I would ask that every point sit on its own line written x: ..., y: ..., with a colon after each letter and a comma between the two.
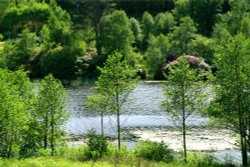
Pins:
x: 105, y: 162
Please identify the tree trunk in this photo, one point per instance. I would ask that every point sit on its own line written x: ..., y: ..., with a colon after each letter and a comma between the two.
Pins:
x: 184, y: 139
x: 243, y: 127
x: 102, y: 127
x: 45, y: 140
x: 9, y: 149
x: 118, y: 129
x: 52, y: 139
x: 244, y: 151
x: 118, y: 120
x: 184, y: 124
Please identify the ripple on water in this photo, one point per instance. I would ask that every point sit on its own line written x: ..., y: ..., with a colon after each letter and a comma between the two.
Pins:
x: 143, y: 110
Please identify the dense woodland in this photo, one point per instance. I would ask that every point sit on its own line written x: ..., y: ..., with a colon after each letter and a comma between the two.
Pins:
x: 189, y: 43
x: 71, y: 38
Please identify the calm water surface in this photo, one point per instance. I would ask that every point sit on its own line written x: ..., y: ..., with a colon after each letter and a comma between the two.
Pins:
x: 142, y: 110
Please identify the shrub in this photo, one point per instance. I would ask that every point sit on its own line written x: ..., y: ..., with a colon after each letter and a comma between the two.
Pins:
x: 97, y: 145
x: 113, y: 151
x: 153, y: 151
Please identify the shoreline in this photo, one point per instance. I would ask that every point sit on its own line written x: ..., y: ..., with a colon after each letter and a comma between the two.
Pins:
x: 204, y: 140
x: 201, y: 139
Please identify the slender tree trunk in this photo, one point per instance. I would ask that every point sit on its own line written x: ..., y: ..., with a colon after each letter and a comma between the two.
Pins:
x: 248, y: 131
x: 45, y: 140
x: 118, y: 129
x: 102, y: 127
x: 118, y: 120
x: 244, y: 151
x: 52, y: 140
x: 242, y: 123
x: 9, y: 149
x: 184, y: 125
x: 184, y: 139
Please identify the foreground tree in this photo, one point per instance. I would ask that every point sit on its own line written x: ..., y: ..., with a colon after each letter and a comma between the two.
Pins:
x: 50, y: 112
x: 231, y: 103
x: 116, y: 81
x: 184, y: 95
x: 15, y: 106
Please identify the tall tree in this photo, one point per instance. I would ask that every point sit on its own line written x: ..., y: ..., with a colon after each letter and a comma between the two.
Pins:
x: 203, y: 47
x: 147, y: 25
x: 237, y: 17
x: 203, y: 12
x: 51, y: 114
x: 29, y: 14
x: 116, y: 81
x: 17, y: 53
x: 15, y: 106
x: 184, y: 95
x: 164, y: 22
x: 61, y: 45
x: 115, y: 34
x: 136, y: 29
x: 156, y: 54
x: 231, y: 103
x: 182, y: 35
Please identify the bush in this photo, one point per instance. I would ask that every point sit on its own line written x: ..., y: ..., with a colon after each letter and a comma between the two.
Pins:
x: 97, y: 145
x: 153, y: 151
x: 113, y: 151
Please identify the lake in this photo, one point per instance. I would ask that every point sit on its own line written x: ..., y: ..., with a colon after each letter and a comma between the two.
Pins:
x: 142, y: 110
x: 145, y: 119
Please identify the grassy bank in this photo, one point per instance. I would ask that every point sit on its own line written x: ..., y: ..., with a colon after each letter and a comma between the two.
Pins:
x: 110, y: 162
x: 99, y: 153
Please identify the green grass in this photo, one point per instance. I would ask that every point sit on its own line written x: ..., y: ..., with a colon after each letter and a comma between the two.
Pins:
x: 106, y: 162
x: 79, y: 157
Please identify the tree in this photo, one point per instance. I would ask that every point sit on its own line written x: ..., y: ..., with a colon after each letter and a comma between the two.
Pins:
x: 116, y: 81
x: 182, y: 35
x: 231, y: 103
x: 203, y: 47
x: 99, y: 103
x: 235, y: 20
x: 50, y: 113
x: 184, y: 95
x: 147, y: 25
x: 136, y: 29
x: 15, y: 106
x: 15, y: 18
x: 203, y: 12
x: 156, y: 54
x: 164, y: 22
x: 17, y: 53
x: 61, y: 45
x: 115, y: 35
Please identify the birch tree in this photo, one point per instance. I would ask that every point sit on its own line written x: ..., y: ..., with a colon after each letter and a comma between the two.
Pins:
x: 116, y: 81
x: 184, y: 95
x: 231, y: 103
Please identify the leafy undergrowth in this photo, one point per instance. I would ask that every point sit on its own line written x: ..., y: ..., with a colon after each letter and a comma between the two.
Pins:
x: 97, y: 153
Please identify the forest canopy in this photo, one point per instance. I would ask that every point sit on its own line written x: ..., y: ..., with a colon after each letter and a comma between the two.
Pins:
x: 69, y: 39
